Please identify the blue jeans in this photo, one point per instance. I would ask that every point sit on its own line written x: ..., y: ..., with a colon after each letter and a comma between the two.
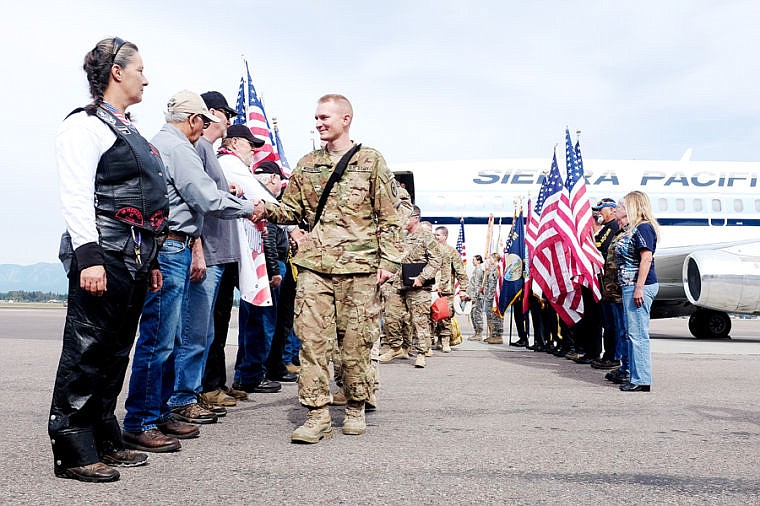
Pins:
x: 614, y: 321
x: 152, y: 380
x: 292, y: 347
x: 195, y: 339
x: 255, y: 332
x: 637, y: 332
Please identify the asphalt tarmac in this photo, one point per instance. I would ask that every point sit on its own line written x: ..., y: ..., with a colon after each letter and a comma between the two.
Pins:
x: 485, y: 424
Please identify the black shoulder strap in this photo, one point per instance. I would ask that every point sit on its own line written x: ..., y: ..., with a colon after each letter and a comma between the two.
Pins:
x: 334, y: 178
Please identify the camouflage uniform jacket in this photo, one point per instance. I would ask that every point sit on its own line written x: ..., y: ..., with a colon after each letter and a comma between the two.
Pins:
x: 451, y: 267
x: 611, y: 291
x: 359, y: 230
x: 421, y: 247
x: 403, y: 206
x: 476, y: 281
x: 491, y: 284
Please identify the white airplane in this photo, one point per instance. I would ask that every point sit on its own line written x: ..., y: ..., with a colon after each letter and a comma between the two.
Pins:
x: 708, y: 258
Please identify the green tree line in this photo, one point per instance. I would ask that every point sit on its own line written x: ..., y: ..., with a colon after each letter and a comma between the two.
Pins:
x: 22, y: 296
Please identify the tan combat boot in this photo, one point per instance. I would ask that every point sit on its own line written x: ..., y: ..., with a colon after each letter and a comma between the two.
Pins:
x: 318, y: 425
x: 446, y: 348
x: 371, y: 404
x: 354, y: 424
x: 391, y: 354
x: 475, y: 337
x: 420, y: 362
x: 338, y: 398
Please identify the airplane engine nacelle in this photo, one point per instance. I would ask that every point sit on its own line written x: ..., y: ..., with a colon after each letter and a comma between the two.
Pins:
x: 723, y: 281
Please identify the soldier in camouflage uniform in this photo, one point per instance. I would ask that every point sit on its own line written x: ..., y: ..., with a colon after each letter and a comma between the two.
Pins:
x: 494, y: 321
x: 476, y: 294
x: 419, y: 247
x: 452, y: 270
x: 355, y: 246
x: 393, y: 312
x: 403, y: 207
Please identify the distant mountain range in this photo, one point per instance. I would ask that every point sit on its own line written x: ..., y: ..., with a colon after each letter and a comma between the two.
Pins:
x: 42, y: 277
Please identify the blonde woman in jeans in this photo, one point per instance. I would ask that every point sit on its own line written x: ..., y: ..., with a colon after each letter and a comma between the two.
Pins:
x: 638, y: 280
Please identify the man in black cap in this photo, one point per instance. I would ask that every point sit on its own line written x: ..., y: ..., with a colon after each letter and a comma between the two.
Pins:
x: 256, y: 322
x: 270, y: 175
x: 215, y: 254
x: 606, y: 209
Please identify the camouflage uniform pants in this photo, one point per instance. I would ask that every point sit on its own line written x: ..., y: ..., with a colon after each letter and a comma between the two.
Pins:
x: 418, y: 304
x: 477, y: 314
x: 341, y: 313
x: 397, y: 323
x: 495, y: 323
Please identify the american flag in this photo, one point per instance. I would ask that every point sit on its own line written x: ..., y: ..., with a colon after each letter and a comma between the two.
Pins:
x: 552, y: 267
x: 587, y: 256
x: 254, y: 281
x: 280, y: 151
x: 250, y: 112
x: 461, y: 248
x: 529, y: 244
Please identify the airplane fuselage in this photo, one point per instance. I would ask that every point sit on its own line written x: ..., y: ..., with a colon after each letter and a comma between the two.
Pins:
x: 699, y: 205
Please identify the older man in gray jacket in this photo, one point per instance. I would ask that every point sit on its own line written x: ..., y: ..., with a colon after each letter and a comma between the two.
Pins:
x: 151, y: 423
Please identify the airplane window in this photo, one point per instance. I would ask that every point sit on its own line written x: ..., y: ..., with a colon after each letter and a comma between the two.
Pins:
x: 716, y: 205
x: 680, y: 205
x: 662, y: 204
x: 697, y: 205
x: 757, y: 205
x: 738, y: 205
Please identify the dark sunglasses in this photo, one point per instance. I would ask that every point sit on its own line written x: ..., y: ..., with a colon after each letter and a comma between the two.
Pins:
x: 206, y: 122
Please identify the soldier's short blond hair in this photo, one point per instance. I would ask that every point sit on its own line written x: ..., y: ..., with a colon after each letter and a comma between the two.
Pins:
x: 340, y: 101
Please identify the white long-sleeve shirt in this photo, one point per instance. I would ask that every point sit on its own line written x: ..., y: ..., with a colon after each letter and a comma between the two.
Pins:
x: 80, y: 142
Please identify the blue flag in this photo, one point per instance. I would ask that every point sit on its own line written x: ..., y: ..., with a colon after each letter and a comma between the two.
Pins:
x: 514, y: 262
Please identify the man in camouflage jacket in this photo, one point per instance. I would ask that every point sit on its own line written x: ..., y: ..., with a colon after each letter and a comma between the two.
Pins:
x: 355, y: 246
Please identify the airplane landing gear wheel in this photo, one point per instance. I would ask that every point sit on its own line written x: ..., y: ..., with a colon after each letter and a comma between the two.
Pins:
x: 709, y: 324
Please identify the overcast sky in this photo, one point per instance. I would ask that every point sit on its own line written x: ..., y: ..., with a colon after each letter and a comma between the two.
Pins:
x: 436, y: 80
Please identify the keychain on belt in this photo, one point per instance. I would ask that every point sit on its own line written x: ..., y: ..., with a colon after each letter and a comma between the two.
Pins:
x: 137, y: 242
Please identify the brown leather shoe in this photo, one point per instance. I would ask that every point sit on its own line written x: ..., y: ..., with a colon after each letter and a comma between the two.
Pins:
x: 237, y: 394
x: 180, y: 430
x: 125, y: 458
x: 152, y: 440
x: 97, y: 473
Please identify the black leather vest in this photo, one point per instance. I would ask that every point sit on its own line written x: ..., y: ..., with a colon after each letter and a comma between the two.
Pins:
x: 129, y: 182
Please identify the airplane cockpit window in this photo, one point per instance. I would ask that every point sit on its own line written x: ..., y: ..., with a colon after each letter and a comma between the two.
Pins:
x: 680, y: 205
x: 697, y: 205
x: 716, y: 205
x: 738, y: 205
x: 662, y: 204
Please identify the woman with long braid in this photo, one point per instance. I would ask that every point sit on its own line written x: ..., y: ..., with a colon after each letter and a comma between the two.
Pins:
x: 114, y: 202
